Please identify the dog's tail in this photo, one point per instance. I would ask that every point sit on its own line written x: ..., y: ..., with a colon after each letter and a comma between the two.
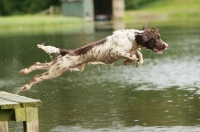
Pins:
x: 49, y: 49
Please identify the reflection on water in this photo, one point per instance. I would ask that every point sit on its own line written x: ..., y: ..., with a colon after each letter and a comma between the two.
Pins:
x: 127, y: 129
x: 162, y: 95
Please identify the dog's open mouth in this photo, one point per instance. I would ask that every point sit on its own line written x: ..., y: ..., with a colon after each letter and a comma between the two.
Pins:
x: 158, y: 50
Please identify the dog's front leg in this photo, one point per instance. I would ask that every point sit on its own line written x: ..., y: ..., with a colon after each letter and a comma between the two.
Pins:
x: 128, y: 62
x: 129, y: 56
x: 140, y: 58
x: 139, y: 61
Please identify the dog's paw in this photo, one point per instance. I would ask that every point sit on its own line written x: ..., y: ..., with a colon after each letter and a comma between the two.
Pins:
x: 23, y: 72
x: 139, y: 63
x: 25, y: 88
x: 128, y: 62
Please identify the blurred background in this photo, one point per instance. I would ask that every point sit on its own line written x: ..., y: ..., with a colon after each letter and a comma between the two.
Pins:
x: 162, y: 95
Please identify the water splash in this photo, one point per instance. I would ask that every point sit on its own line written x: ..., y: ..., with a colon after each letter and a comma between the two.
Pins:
x: 127, y: 129
x: 17, y: 90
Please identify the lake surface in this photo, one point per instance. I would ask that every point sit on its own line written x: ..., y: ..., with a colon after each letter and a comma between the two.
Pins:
x: 162, y: 95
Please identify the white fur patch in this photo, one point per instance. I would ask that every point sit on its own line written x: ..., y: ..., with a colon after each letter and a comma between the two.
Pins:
x: 49, y: 49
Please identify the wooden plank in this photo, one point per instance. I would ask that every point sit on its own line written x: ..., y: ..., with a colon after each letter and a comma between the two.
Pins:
x: 20, y: 114
x: 15, y: 97
x: 6, y: 104
x: 4, y: 126
x: 31, y: 104
x: 31, y: 124
x: 24, y: 101
x: 7, y: 115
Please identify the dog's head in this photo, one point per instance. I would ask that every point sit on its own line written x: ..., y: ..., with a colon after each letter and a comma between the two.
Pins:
x: 151, y: 39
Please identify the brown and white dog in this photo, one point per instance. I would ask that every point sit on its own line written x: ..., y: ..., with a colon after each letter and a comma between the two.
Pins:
x: 123, y: 44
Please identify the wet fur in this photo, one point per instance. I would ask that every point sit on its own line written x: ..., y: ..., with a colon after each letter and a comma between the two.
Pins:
x: 123, y: 44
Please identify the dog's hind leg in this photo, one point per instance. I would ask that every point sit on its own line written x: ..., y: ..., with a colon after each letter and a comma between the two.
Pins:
x: 57, y: 68
x: 36, y: 66
x: 38, y: 78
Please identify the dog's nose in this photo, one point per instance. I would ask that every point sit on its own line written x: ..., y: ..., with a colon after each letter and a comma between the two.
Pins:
x: 165, y: 45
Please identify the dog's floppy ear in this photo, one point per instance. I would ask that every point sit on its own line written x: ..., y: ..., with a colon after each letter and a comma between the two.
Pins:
x: 144, y: 27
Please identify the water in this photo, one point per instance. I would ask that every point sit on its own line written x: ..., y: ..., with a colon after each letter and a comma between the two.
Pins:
x: 162, y: 95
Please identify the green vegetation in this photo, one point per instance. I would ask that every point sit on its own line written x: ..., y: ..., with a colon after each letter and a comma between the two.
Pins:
x: 19, y: 7
x: 164, y: 10
x: 160, y: 12
x: 161, y: 5
x: 37, y: 20
x: 137, y: 4
x: 38, y: 24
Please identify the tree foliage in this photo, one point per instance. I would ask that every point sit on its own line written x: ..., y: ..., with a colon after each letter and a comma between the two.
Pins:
x: 136, y: 4
x: 17, y: 7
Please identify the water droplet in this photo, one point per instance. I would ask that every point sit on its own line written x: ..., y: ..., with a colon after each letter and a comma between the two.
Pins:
x: 190, y: 97
x: 169, y: 101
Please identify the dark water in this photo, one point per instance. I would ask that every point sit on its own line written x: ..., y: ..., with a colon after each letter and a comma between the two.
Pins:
x: 162, y: 95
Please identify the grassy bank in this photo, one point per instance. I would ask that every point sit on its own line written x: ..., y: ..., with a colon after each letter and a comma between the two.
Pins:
x: 156, y: 13
x: 175, y: 11
x: 37, y: 20
x: 38, y: 23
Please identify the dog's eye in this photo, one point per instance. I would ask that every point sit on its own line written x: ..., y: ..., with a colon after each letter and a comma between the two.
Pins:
x: 158, y: 37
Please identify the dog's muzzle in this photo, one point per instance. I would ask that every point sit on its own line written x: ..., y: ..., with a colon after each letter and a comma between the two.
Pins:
x: 165, y: 45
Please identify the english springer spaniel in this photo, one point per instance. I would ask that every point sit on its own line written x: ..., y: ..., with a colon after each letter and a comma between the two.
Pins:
x: 122, y: 44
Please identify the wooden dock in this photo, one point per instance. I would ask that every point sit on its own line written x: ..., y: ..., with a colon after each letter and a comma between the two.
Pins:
x: 20, y: 109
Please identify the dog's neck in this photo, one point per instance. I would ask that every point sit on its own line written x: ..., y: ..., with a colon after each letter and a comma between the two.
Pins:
x: 139, y: 40
x: 132, y: 37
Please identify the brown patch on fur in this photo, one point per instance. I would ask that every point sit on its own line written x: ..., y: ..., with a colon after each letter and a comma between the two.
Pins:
x: 54, y: 61
x: 89, y: 46
x: 34, y: 79
x: 82, y: 50
x: 63, y: 52
x: 37, y: 76
x: 22, y: 72
x: 64, y: 69
x: 46, y: 73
